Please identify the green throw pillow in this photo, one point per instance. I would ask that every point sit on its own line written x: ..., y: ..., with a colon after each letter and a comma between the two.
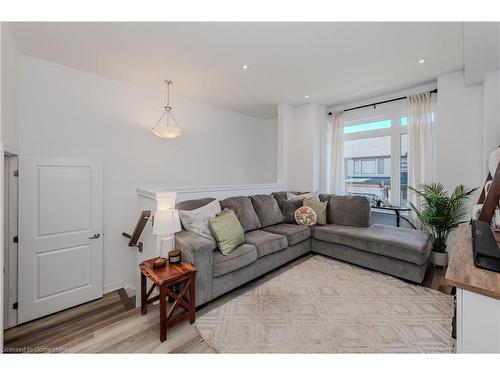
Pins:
x: 227, y: 231
x: 319, y: 208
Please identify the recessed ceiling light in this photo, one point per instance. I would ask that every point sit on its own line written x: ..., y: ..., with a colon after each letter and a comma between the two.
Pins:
x: 307, y: 96
x: 245, y: 67
x: 421, y: 61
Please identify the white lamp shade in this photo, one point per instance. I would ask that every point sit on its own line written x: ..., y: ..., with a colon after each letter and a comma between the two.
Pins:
x: 169, y: 132
x: 166, y: 222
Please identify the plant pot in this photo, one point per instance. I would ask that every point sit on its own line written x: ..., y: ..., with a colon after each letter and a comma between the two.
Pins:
x: 439, y: 259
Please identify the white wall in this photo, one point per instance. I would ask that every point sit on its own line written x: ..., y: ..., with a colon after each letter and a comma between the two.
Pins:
x: 301, y: 129
x: 491, y: 95
x: 481, y: 50
x: 66, y: 112
x: 9, y: 89
x: 459, y: 135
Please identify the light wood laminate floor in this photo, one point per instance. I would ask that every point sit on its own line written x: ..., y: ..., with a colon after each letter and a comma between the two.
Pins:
x: 112, y: 325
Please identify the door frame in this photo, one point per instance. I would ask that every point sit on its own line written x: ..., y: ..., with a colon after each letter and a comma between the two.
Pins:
x: 10, y: 228
x: 12, y: 150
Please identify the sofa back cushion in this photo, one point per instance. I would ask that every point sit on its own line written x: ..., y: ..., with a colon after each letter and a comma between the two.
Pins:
x: 280, y: 197
x: 267, y: 209
x: 193, y: 204
x: 243, y: 208
x: 349, y: 210
x: 289, y: 208
x: 326, y: 198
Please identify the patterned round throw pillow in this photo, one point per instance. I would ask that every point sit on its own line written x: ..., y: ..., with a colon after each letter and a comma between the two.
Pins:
x: 305, y: 216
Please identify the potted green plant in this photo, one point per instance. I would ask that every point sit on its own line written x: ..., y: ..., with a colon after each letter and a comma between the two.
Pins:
x: 440, y: 213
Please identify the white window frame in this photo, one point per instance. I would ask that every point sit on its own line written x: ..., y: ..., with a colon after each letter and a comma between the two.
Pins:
x: 394, y: 112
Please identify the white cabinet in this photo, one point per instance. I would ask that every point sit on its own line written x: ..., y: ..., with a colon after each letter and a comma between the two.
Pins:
x: 478, y: 323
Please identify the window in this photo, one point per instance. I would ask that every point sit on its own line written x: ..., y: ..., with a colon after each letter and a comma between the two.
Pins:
x: 371, y: 175
x: 376, y: 152
x: 384, y: 124
x: 403, y: 170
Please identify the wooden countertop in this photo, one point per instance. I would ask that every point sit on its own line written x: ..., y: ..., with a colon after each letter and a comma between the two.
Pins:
x: 462, y: 273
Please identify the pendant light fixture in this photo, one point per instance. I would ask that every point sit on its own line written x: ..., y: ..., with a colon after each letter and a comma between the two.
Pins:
x: 167, y: 126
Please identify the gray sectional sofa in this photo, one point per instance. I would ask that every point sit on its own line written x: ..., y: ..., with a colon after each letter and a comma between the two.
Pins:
x: 272, y: 239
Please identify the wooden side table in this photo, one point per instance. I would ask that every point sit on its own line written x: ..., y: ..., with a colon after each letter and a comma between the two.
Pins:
x: 180, y: 274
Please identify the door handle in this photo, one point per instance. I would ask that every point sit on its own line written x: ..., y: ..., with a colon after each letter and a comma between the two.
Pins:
x: 95, y: 236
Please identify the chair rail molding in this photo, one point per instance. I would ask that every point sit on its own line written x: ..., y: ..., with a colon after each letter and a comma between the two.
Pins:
x: 218, y: 192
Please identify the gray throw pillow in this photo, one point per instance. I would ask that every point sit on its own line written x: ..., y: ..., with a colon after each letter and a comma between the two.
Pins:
x: 280, y: 197
x: 243, y: 208
x: 267, y: 209
x: 313, y: 196
x: 350, y: 210
x: 289, y: 208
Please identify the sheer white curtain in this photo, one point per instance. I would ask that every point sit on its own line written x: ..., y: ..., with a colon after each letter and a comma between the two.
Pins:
x: 337, y: 179
x: 420, y: 147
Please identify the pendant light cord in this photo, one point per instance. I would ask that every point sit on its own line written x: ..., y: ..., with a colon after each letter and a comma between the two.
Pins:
x: 168, y: 109
x: 168, y: 94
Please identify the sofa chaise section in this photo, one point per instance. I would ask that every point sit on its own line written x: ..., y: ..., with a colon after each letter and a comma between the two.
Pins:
x: 397, y: 251
x: 408, y: 245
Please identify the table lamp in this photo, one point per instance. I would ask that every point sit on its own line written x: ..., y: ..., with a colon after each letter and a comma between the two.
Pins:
x: 165, y: 224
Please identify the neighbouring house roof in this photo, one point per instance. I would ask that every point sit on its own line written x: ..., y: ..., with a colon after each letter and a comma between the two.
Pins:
x: 370, y: 147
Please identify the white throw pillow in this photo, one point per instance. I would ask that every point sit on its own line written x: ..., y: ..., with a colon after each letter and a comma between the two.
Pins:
x: 312, y: 196
x: 197, y: 220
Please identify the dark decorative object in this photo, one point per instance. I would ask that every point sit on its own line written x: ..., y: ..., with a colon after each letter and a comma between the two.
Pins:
x: 159, y: 262
x: 484, y: 246
x: 174, y: 256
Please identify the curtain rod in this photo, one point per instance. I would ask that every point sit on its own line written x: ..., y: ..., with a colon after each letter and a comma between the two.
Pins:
x: 382, y: 102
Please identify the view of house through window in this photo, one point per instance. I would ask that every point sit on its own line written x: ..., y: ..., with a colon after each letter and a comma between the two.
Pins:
x: 376, y: 153
x: 368, y: 167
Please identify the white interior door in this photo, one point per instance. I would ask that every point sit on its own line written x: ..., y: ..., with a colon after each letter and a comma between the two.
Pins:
x: 60, y: 235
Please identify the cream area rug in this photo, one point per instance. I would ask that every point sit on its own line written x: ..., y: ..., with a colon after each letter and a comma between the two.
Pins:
x: 326, y: 306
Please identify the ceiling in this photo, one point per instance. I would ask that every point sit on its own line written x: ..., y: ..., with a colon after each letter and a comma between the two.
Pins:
x: 333, y: 63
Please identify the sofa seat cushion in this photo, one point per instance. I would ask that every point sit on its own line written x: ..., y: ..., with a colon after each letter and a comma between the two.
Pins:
x: 294, y: 233
x: 266, y: 242
x: 409, y: 245
x: 240, y: 257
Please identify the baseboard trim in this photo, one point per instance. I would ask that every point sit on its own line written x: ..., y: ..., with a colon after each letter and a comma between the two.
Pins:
x: 112, y: 287
x: 130, y: 289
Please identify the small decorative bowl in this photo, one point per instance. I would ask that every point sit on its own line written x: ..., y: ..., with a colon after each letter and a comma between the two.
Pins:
x: 159, y: 262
